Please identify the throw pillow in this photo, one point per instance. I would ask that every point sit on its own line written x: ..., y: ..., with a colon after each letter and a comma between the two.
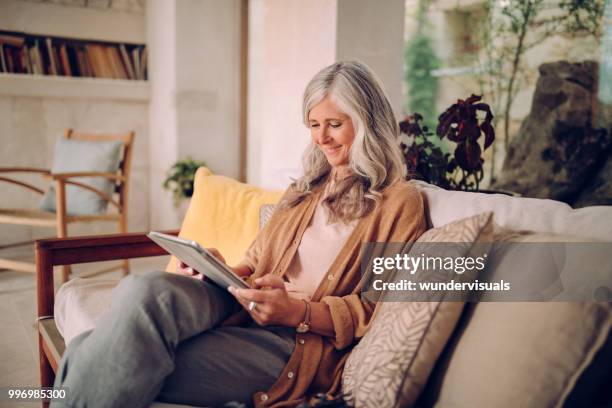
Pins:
x: 392, y: 362
x: 224, y: 214
x: 79, y: 156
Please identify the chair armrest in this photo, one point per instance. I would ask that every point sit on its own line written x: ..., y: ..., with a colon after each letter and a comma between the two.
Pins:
x: 24, y: 170
x: 29, y: 186
x: 64, y: 176
x: 67, y: 251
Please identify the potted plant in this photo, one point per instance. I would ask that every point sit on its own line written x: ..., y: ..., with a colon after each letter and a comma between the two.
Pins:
x: 180, y: 178
x: 460, y: 124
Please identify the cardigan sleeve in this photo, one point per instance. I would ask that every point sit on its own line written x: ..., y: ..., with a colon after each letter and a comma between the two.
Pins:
x: 351, y: 315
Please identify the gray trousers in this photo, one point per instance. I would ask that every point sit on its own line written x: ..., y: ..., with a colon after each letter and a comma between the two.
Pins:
x: 160, y: 340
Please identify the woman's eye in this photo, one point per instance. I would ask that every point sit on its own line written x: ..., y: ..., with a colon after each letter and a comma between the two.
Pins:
x: 314, y: 125
x: 335, y: 125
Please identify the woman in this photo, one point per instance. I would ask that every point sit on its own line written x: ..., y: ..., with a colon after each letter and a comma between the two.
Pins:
x: 183, y: 340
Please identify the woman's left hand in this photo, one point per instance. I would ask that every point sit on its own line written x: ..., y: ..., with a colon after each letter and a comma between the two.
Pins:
x: 274, y: 305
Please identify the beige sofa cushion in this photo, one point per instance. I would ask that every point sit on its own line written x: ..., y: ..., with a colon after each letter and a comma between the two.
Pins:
x: 393, y: 360
x: 522, y: 354
x: 518, y: 213
x: 519, y: 354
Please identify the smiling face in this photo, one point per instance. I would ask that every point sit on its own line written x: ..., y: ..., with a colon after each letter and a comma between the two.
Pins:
x: 332, y: 131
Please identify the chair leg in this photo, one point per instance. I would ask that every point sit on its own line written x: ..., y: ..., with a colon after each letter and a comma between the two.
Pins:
x: 47, y: 376
x: 62, y: 228
x: 123, y: 230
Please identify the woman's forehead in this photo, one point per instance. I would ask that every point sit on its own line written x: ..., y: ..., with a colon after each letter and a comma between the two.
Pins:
x: 325, y: 110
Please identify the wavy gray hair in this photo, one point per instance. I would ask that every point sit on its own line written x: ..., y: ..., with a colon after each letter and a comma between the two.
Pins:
x: 375, y: 158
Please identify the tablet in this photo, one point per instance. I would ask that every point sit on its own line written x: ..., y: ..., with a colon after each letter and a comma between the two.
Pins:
x: 200, y: 259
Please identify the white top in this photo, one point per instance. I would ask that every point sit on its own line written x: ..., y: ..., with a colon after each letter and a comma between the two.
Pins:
x: 319, y: 247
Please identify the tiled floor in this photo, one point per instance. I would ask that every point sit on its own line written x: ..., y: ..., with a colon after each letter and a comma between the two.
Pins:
x: 18, y: 341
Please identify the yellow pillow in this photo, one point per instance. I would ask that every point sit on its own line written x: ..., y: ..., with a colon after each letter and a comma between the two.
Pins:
x: 224, y: 214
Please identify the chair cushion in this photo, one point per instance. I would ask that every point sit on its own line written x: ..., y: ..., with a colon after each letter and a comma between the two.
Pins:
x: 78, y: 304
x: 390, y: 365
x: 224, y: 214
x: 79, y: 155
x: 517, y: 213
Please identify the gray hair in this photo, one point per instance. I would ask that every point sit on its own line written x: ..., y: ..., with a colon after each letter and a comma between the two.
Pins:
x: 375, y: 158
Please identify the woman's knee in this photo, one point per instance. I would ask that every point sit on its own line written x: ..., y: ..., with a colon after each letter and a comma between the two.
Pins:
x: 144, y: 285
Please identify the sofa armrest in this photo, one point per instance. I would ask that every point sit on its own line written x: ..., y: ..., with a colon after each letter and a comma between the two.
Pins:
x: 85, y: 249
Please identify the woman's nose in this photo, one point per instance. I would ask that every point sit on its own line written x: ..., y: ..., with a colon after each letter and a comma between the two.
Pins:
x: 322, y: 136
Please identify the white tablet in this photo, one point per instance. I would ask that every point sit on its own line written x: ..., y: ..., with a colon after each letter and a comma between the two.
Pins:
x: 200, y: 259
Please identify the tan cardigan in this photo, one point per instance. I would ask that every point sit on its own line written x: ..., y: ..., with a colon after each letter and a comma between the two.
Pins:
x: 317, y: 361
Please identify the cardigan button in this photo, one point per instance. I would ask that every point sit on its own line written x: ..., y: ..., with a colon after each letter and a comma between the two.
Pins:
x: 290, y: 374
x: 330, y: 277
x: 301, y: 341
x: 264, y: 397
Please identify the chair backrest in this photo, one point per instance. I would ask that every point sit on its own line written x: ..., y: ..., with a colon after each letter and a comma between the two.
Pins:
x: 121, y: 186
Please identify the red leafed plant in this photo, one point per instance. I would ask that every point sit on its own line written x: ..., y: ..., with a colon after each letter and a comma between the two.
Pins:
x: 460, y: 124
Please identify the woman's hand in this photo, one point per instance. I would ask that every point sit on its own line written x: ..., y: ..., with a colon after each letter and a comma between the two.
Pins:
x: 274, y: 305
x: 184, y: 269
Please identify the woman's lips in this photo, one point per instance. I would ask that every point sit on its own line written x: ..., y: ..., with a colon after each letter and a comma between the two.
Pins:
x: 332, y: 150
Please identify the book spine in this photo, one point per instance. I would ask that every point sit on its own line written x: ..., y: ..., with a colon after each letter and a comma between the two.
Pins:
x: 136, y: 58
x: 52, y: 61
x: 143, y: 64
x: 3, y: 66
x: 64, y: 59
x: 127, y: 62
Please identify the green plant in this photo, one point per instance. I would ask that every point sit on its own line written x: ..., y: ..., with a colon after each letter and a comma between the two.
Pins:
x: 512, y: 28
x: 180, y: 177
x: 460, y: 124
x: 421, y: 60
x: 422, y: 85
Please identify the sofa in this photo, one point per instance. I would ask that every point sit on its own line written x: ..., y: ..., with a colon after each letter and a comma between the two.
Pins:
x: 494, y: 354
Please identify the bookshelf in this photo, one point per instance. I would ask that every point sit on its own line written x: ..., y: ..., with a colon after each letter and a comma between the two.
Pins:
x: 45, y: 86
x: 38, y: 55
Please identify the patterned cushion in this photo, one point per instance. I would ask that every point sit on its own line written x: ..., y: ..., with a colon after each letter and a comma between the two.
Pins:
x: 392, y: 362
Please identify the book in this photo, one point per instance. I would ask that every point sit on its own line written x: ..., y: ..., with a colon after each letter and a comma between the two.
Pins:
x: 3, y: 67
x: 65, y: 63
x: 136, y: 59
x: 142, y: 74
x: 52, y: 60
x: 115, y: 60
x: 13, y: 40
x: 127, y: 62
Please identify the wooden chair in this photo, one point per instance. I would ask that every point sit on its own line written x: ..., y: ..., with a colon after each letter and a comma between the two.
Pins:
x: 60, y: 219
x: 67, y: 251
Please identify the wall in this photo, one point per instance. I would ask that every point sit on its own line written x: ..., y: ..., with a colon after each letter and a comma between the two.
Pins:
x: 195, y: 92
x: 291, y: 40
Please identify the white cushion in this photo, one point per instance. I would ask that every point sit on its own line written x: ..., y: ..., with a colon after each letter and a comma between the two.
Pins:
x: 518, y: 213
x: 78, y: 304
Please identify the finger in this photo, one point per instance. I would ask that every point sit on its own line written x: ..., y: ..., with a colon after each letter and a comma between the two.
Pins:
x: 256, y: 295
x: 244, y: 302
x: 189, y: 271
x: 273, y: 281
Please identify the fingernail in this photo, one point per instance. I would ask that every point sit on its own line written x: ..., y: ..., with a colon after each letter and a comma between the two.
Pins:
x: 230, y: 289
x: 257, y: 280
